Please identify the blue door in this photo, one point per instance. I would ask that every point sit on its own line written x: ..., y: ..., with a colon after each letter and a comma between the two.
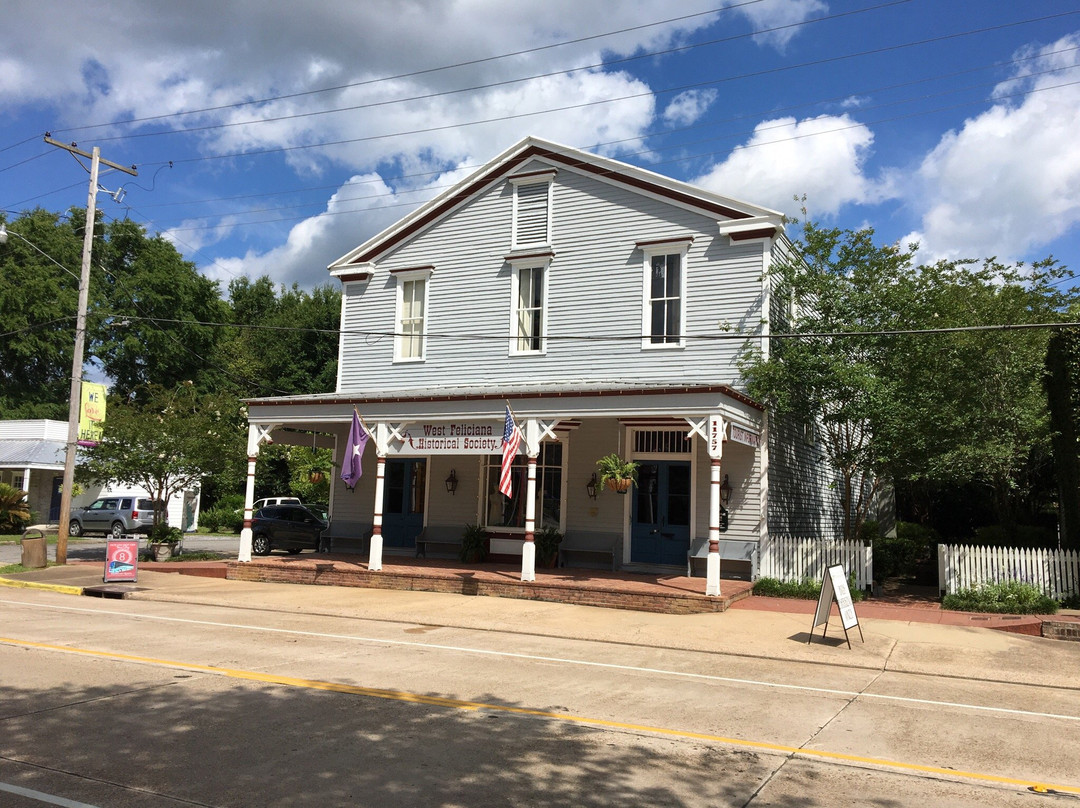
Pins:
x: 660, y: 515
x: 403, y: 501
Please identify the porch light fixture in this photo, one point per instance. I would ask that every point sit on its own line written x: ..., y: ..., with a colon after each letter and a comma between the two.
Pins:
x: 725, y: 491
x: 590, y: 486
x: 451, y: 482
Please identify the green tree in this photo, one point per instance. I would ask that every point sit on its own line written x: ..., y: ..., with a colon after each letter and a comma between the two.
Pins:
x: 947, y: 404
x: 39, y: 292
x: 166, y: 441
x: 14, y: 512
x: 839, y: 284
x: 156, y: 313
x: 1063, y: 397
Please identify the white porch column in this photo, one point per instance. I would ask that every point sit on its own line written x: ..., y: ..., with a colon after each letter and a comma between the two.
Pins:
x: 256, y: 434
x: 715, y: 444
x: 26, y: 482
x: 712, y: 568
x: 375, y: 551
x: 528, y: 549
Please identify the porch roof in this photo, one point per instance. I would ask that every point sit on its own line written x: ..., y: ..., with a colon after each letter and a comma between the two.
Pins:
x: 517, y: 392
x: 32, y: 453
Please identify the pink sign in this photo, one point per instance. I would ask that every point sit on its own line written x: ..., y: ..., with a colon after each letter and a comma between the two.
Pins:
x: 121, y: 560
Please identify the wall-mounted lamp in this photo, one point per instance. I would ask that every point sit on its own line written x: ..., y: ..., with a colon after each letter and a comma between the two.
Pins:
x: 725, y: 491
x: 451, y: 482
x: 590, y: 486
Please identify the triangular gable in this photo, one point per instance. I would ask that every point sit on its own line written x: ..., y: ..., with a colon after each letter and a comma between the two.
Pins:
x: 604, y: 168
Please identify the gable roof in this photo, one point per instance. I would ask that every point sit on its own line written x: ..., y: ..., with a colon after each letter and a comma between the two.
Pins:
x: 757, y: 219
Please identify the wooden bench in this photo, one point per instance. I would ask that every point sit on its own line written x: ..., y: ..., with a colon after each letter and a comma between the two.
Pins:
x: 345, y: 536
x: 738, y: 553
x: 596, y: 547
x: 444, y: 540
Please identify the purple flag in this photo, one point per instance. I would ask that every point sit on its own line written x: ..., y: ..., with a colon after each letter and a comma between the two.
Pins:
x: 354, y: 449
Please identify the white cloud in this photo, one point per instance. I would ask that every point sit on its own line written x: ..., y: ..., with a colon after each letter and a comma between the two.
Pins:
x: 687, y: 107
x: 785, y: 15
x: 821, y: 157
x: 1008, y: 181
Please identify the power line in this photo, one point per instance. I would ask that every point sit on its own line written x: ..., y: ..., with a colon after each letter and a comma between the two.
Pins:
x: 632, y: 96
x: 507, y: 82
x: 411, y: 74
x: 685, y: 158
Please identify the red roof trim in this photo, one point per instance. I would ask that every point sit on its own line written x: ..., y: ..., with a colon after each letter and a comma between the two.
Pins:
x: 765, y: 232
x: 354, y: 276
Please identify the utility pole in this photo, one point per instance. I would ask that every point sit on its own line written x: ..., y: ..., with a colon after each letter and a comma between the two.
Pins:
x: 75, y: 404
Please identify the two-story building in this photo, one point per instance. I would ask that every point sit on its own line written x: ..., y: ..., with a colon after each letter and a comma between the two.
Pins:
x: 605, y: 304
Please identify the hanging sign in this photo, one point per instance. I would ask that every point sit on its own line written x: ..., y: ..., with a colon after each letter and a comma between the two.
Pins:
x: 716, y: 436
x: 121, y: 560
x: 450, y: 438
x: 834, y: 587
x: 745, y: 436
x: 91, y: 414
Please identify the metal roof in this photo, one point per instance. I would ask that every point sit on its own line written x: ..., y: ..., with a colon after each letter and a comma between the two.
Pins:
x: 32, y: 453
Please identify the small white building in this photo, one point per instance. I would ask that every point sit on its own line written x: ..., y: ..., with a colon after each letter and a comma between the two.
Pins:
x: 598, y: 300
x: 32, y: 454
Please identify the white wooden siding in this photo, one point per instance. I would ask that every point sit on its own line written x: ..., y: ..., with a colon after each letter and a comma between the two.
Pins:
x: 595, y: 288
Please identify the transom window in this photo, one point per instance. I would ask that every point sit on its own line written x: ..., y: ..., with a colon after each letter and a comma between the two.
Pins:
x: 409, y: 345
x: 509, y: 512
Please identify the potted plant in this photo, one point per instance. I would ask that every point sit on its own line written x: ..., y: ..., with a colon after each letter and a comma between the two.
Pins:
x: 163, y: 540
x: 474, y: 546
x: 547, y: 546
x: 616, y: 473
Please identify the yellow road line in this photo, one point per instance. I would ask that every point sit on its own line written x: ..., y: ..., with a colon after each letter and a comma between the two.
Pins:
x: 415, y: 698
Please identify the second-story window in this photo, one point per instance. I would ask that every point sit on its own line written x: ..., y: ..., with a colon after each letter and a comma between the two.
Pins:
x: 665, y: 292
x: 529, y: 309
x: 409, y: 345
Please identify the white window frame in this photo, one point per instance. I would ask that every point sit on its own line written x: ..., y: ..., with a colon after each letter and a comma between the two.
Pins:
x: 517, y: 267
x: 680, y: 247
x: 532, y: 179
x: 405, y: 277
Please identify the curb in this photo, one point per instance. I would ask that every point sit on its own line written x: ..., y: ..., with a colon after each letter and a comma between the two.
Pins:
x: 62, y: 588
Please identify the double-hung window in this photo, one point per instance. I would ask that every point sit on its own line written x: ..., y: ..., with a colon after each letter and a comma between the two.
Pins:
x: 528, y: 325
x: 664, y: 298
x: 411, y: 317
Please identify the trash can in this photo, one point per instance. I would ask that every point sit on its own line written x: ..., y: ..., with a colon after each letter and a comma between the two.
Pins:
x: 33, y: 549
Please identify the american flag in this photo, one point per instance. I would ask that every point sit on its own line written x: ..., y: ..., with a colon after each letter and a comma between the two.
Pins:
x: 510, y: 443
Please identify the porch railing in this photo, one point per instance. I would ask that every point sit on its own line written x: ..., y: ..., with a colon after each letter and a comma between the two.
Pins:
x: 789, y: 558
x: 1054, y: 572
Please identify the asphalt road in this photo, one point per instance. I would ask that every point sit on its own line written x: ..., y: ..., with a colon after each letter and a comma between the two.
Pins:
x: 143, y: 703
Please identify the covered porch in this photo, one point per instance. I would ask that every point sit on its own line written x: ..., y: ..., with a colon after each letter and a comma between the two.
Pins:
x: 433, y: 468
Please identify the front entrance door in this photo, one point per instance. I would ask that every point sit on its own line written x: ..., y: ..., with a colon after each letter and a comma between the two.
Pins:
x: 660, y: 518
x: 403, y: 501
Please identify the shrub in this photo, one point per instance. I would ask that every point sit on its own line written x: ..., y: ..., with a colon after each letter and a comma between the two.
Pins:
x: 162, y: 533
x: 1070, y: 601
x: 217, y: 519
x: 1007, y: 597
x: 14, y: 512
x: 1015, y: 536
x: 805, y: 589
x: 899, y: 556
x: 473, y: 544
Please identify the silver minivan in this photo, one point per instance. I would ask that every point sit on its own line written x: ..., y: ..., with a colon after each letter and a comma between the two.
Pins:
x: 114, y: 516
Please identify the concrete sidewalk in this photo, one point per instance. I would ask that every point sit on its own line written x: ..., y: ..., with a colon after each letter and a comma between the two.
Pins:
x: 888, y: 644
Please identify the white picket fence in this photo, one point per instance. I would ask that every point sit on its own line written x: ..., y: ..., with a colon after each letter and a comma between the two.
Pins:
x: 788, y: 558
x: 1055, y: 572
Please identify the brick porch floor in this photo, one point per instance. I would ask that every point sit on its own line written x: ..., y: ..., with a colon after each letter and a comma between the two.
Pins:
x: 671, y: 594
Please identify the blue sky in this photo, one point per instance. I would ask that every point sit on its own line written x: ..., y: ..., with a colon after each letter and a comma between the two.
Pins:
x: 296, y: 131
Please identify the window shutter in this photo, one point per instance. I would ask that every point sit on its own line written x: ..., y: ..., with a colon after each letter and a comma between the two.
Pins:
x: 532, y: 213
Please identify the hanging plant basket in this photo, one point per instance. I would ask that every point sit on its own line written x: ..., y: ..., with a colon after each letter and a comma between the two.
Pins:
x: 620, y: 486
x: 616, y: 473
x: 316, y: 477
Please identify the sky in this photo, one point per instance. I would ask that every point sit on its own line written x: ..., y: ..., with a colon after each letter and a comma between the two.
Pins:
x: 271, y: 138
